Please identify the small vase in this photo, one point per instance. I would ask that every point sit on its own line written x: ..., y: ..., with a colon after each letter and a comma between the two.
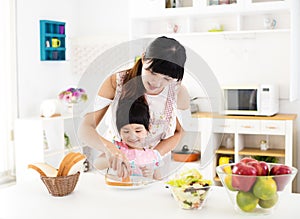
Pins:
x: 264, y: 145
x: 69, y: 108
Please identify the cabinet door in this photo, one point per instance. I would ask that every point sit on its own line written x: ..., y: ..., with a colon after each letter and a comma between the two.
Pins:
x: 266, y: 4
x: 273, y: 127
x: 224, y: 125
x: 28, y: 147
x: 248, y: 126
x: 53, y: 140
x: 144, y: 8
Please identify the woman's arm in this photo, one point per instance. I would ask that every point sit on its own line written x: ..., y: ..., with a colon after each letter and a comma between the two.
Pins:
x: 183, y: 98
x: 183, y: 103
x: 168, y: 144
x: 88, y: 134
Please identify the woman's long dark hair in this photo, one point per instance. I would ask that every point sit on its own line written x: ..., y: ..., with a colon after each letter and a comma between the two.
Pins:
x: 165, y: 55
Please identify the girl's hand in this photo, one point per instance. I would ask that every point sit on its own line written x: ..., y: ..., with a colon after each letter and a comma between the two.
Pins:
x: 119, y: 163
x: 147, y: 170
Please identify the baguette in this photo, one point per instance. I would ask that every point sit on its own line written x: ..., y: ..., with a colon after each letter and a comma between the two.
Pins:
x: 44, y: 169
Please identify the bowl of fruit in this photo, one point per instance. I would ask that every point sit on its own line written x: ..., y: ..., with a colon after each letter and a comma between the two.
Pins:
x: 255, y: 187
x: 189, y: 188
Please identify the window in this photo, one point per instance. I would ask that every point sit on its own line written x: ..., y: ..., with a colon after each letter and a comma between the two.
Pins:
x: 7, y: 89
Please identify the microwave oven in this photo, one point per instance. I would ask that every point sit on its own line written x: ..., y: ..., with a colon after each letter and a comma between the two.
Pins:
x: 255, y: 100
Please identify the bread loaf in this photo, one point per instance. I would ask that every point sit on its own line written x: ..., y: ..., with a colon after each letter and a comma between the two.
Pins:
x: 44, y: 169
x: 66, y: 160
x: 75, y: 165
x: 70, y: 164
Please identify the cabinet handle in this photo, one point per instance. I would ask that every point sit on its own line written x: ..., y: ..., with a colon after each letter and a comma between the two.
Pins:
x: 271, y: 127
x: 247, y: 126
x: 224, y: 126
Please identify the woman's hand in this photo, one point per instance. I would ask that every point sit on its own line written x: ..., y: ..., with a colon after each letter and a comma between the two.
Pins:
x: 119, y: 163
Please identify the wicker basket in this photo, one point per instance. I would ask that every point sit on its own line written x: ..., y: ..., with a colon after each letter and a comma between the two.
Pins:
x: 61, y: 185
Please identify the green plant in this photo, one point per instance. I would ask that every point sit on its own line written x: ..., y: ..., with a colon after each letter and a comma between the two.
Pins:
x: 67, y: 141
x: 268, y: 159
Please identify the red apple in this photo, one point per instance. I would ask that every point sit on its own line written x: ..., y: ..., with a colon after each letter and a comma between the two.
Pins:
x: 281, y: 180
x: 247, y: 160
x: 261, y: 167
x: 243, y: 177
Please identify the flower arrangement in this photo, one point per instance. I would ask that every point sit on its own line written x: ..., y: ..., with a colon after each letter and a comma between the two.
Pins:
x: 73, y: 95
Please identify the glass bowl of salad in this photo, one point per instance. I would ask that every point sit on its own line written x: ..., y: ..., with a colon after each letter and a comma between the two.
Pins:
x: 189, y: 188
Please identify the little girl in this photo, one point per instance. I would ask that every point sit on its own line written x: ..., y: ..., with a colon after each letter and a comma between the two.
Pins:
x: 133, y: 124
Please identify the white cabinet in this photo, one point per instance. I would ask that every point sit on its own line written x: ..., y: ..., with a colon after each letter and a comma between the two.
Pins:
x: 149, y: 18
x: 247, y: 132
x: 43, y: 140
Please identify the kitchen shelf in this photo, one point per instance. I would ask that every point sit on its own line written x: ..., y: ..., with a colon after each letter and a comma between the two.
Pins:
x: 243, y: 34
x: 51, y: 31
x: 243, y: 17
x: 223, y: 150
x: 269, y: 152
x: 247, y: 132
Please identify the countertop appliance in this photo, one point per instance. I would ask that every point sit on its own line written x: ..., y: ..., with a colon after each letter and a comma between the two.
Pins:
x: 255, y: 100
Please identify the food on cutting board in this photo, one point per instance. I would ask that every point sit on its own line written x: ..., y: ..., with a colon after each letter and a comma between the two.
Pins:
x: 113, y: 180
x: 71, y: 164
x: 190, y: 189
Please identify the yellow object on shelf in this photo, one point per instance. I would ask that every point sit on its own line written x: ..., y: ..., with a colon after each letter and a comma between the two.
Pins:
x: 216, y: 28
x: 225, y: 160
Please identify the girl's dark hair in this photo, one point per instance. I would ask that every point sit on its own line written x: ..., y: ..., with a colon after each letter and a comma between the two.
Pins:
x: 166, y: 55
x: 131, y: 111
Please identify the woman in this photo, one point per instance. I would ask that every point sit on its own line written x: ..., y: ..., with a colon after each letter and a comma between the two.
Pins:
x: 157, y: 75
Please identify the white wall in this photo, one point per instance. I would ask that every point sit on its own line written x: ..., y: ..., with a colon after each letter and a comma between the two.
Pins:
x: 263, y: 59
x: 39, y: 80
x: 102, y: 17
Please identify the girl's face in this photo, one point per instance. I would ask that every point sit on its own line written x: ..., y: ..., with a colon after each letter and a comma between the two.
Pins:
x: 154, y: 82
x: 134, y: 135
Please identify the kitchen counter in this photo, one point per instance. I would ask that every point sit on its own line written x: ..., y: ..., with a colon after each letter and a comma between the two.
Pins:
x: 93, y: 199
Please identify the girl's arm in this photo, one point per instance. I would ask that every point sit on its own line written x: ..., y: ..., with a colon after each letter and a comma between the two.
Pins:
x: 183, y: 103
x: 88, y: 134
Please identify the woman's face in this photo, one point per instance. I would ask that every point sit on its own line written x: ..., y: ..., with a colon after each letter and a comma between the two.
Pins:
x: 134, y: 135
x: 154, y: 82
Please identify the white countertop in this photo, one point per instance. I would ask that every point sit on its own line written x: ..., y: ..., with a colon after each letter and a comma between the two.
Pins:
x: 93, y: 199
